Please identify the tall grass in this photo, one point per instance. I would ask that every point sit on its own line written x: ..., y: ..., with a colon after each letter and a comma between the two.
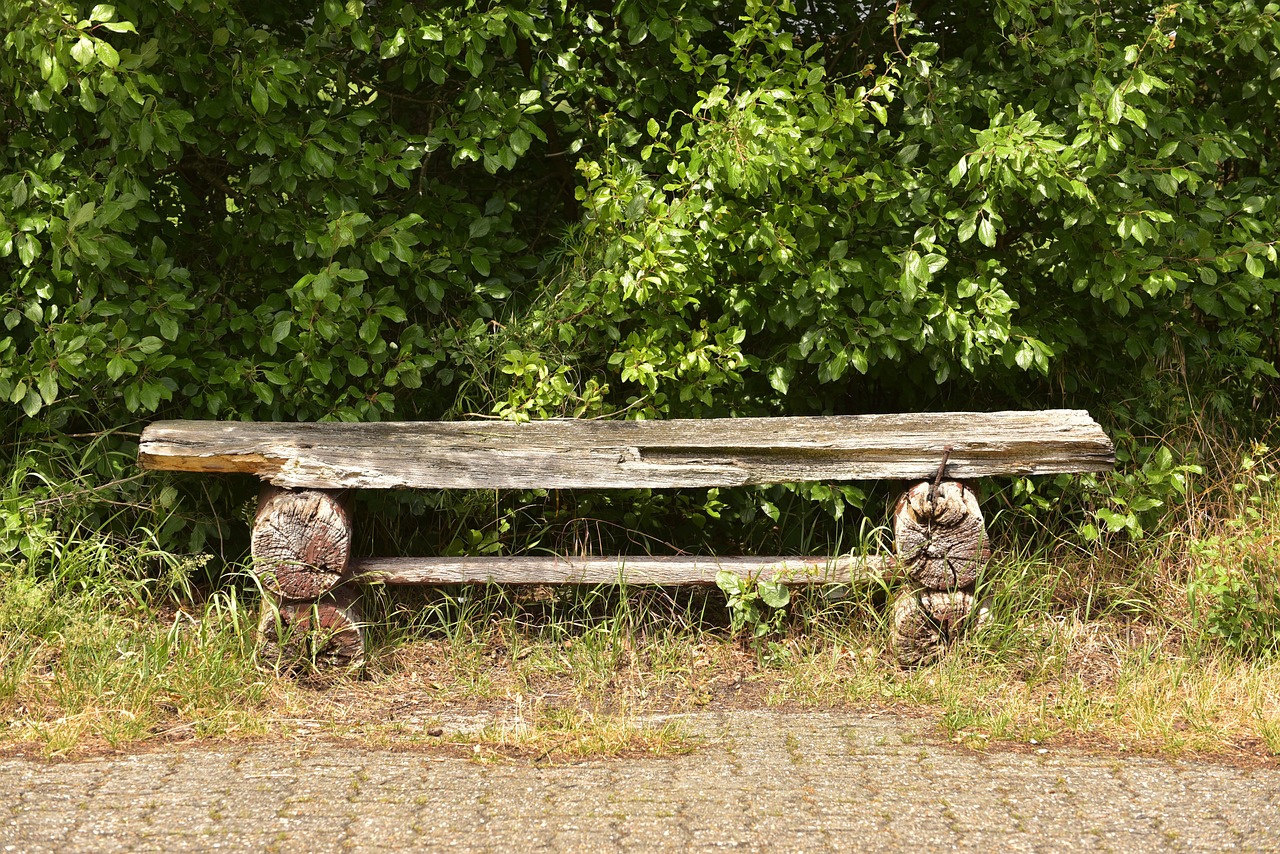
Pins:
x: 104, y: 639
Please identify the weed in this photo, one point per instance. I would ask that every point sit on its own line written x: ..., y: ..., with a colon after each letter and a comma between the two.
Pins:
x: 1234, y: 590
x: 756, y: 607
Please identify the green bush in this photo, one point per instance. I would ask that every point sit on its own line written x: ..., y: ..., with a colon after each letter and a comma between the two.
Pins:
x: 402, y: 210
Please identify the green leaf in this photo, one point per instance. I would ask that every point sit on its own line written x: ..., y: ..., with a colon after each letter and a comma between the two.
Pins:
x: 83, y: 215
x: 31, y: 403
x: 117, y: 366
x: 1115, y: 105
x: 520, y: 141
x: 260, y: 100
x: 1253, y: 264
x: 780, y: 378
x: 28, y: 247
x: 1025, y: 357
x: 106, y: 54
x: 88, y: 99
x: 986, y: 232
x: 1166, y: 183
x: 48, y: 386
x: 281, y: 330
x: 729, y: 582
x: 168, y: 326
x: 82, y: 51
x: 914, y: 266
x: 774, y: 593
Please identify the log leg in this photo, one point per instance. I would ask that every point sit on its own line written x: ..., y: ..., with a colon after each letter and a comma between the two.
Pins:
x: 940, y: 538
x: 301, y: 542
x: 926, y: 622
x: 322, y: 635
x: 939, y: 535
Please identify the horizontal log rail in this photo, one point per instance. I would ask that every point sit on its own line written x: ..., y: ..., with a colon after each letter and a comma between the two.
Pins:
x: 569, y: 454
x: 617, y: 569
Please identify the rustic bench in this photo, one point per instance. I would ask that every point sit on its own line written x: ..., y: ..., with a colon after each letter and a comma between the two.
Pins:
x: 301, y: 539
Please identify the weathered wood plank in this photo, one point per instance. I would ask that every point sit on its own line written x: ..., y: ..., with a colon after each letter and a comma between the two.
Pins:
x: 614, y: 570
x: 568, y: 454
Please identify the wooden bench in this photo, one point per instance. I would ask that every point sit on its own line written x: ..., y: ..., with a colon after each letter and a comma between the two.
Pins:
x: 302, y: 533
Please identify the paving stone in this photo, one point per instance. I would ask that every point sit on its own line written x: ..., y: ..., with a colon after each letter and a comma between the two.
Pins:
x: 764, y: 781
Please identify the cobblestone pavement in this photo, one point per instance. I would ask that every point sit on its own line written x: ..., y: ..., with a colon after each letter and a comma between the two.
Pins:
x: 763, y: 781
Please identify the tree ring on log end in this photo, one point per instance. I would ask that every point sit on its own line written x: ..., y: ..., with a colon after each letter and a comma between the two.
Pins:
x: 301, y: 542
x: 926, y: 622
x: 312, y: 637
x: 942, y: 542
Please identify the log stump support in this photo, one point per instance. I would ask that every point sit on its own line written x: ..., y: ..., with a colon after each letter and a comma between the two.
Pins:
x: 320, y: 635
x: 940, y: 540
x: 301, y: 542
x: 301, y: 547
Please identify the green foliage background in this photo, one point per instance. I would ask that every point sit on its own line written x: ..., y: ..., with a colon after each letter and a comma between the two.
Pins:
x: 656, y: 208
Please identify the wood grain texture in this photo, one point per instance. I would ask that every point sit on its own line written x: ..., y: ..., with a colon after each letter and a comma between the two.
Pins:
x: 924, y: 623
x: 571, y: 454
x: 324, y: 635
x: 301, y: 541
x: 614, y: 570
x: 942, y: 542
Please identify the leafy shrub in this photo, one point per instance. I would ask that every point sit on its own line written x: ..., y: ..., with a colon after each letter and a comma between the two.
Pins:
x: 756, y: 607
x: 1235, y: 586
x: 402, y: 210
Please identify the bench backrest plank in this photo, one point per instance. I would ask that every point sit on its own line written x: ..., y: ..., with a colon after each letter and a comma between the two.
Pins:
x: 568, y: 454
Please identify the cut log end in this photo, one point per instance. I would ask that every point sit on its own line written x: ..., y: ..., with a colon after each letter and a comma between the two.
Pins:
x: 301, y: 542
x: 940, y: 540
x: 926, y: 622
x: 326, y: 636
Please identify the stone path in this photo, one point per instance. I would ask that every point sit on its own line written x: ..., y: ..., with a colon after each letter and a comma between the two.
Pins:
x: 766, y: 781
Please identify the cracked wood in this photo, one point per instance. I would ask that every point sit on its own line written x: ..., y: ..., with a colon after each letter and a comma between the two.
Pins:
x: 616, y: 569
x: 939, y: 535
x: 569, y: 454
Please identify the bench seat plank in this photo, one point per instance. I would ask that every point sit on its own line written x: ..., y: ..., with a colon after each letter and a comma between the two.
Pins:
x: 570, y: 454
x: 613, y: 570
